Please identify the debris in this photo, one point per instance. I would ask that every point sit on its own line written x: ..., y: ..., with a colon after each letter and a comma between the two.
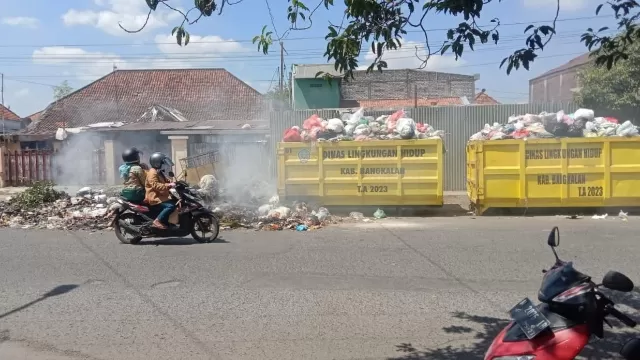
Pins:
x: 358, y: 127
x: 600, y: 217
x: 623, y: 215
x: 379, y: 214
x: 582, y: 123
x: 302, y: 228
x: 356, y: 215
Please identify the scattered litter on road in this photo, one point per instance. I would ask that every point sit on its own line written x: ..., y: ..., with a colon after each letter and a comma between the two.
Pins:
x: 600, y: 217
x: 379, y: 214
x: 623, y: 215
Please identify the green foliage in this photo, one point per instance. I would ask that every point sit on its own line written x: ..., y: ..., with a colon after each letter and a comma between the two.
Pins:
x: 616, y: 88
x: 283, y: 97
x: 40, y: 193
x: 62, y: 90
x: 383, y: 23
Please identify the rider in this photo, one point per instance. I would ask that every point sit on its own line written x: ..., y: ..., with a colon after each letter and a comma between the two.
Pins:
x: 133, y: 172
x: 157, y: 187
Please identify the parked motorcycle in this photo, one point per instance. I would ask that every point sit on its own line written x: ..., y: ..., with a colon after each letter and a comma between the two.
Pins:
x: 133, y: 222
x: 572, y: 309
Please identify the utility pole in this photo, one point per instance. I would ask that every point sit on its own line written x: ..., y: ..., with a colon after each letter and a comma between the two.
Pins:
x: 2, y: 99
x: 281, y: 67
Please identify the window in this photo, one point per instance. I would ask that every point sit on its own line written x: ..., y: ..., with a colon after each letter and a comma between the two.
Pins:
x: 315, y: 85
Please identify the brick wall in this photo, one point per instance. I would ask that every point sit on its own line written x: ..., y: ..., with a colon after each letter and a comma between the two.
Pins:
x: 401, y: 84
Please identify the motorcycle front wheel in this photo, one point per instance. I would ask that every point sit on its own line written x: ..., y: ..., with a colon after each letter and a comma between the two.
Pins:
x: 205, y: 228
x: 121, y: 233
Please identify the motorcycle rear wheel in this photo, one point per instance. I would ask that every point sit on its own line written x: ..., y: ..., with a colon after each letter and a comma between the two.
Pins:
x: 205, y: 223
x: 121, y: 234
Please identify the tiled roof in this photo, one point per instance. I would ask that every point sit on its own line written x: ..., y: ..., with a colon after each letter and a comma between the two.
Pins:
x: 8, y: 114
x: 125, y: 95
x: 575, y: 62
x: 398, y: 103
x: 36, y: 116
x: 483, y: 99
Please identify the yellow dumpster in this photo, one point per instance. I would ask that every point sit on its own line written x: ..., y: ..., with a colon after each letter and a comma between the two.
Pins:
x: 351, y: 173
x: 547, y: 173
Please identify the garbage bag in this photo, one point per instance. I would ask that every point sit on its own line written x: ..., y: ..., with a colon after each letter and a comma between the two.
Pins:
x: 335, y: 125
x: 406, y: 128
x: 312, y: 122
x: 586, y: 114
x: 627, y: 129
x: 291, y: 135
x: 355, y: 117
x: 349, y: 129
x: 379, y: 214
x: 362, y: 129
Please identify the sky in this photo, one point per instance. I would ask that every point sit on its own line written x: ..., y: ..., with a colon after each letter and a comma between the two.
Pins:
x: 44, y: 43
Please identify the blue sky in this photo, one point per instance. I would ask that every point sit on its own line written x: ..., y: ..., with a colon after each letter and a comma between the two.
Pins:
x: 47, y: 42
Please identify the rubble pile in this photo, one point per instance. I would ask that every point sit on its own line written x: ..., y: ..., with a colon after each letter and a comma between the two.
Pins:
x: 273, y: 216
x: 582, y: 123
x: 42, y: 207
x: 358, y: 127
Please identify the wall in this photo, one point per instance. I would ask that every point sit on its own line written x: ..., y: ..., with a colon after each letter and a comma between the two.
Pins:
x: 315, y: 94
x: 400, y: 84
x: 458, y: 123
x: 554, y: 87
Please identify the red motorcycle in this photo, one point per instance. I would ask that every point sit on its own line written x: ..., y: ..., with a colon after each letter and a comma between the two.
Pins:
x: 572, y: 309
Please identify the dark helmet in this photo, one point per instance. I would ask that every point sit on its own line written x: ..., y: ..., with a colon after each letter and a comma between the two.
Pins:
x: 158, y: 159
x: 131, y: 155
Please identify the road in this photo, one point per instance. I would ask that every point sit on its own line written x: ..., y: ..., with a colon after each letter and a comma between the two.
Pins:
x: 428, y: 288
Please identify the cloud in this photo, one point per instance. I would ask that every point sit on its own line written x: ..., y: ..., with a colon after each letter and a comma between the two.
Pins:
x: 570, y: 5
x: 21, y: 93
x: 202, y: 51
x: 405, y: 58
x: 84, y: 65
x: 22, y: 21
x: 130, y: 14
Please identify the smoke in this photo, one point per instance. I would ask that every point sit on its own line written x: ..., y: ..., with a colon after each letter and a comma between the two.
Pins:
x: 76, y: 162
x: 243, y: 169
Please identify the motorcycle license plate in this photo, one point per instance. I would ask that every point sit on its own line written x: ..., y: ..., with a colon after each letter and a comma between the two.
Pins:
x: 527, y: 316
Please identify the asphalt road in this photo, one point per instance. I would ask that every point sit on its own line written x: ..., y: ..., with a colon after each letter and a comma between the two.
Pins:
x: 430, y: 288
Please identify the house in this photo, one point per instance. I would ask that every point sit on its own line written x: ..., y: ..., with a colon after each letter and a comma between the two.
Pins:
x: 558, y: 84
x: 168, y: 110
x: 309, y: 92
x: 10, y: 122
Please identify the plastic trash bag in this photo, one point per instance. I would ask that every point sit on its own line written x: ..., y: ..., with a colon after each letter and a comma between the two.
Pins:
x: 627, y: 129
x: 312, y: 122
x: 291, y: 135
x: 335, y: 125
x: 406, y: 128
x: 349, y: 129
x: 362, y: 129
x: 379, y: 214
x: 586, y: 114
x: 354, y: 119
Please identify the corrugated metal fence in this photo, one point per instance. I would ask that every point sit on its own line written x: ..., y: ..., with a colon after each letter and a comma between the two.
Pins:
x: 458, y: 122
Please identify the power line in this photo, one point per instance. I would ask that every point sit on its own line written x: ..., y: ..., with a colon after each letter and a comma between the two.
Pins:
x: 288, y: 39
x: 14, y: 77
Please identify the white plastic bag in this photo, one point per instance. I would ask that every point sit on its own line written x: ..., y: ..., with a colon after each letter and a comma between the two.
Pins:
x: 586, y: 114
x: 349, y: 129
x: 355, y: 117
x: 362, y: 129
x: 627, y: 129
x: 406, y: 128
x: 335, y: 125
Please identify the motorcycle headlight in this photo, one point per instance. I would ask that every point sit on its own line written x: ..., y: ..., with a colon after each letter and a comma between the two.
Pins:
x: 520, y: 357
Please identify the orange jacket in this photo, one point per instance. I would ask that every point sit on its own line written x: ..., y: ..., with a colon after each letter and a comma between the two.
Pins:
x: 156, y: 187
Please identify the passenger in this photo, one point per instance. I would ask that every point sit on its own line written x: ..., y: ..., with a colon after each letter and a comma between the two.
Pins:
x: 134, y: 175
x: 157, y: 188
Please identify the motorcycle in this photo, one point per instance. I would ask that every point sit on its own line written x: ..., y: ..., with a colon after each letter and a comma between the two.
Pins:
x: 572, y: 309
x: 189, y: 218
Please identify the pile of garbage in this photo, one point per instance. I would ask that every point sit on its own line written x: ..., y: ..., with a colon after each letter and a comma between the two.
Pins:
x: 42, y: 207
x: 582, y: 123
x: 358, y: 127
x: 273, y: 216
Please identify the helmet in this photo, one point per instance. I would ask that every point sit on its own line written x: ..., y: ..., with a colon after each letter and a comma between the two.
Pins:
x: 158, y: 159
x: 131, y: 155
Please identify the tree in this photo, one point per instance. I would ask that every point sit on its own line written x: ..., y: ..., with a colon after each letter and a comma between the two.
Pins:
x: 282, y: 97
x: 62, y: 90
x: 616, y: 88
x: 382, y: 23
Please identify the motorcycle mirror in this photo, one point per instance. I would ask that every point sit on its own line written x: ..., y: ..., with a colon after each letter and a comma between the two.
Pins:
x: 617, y: 281
x: 171, y: 174
x: 554, y: 237
x: 631, y: 350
